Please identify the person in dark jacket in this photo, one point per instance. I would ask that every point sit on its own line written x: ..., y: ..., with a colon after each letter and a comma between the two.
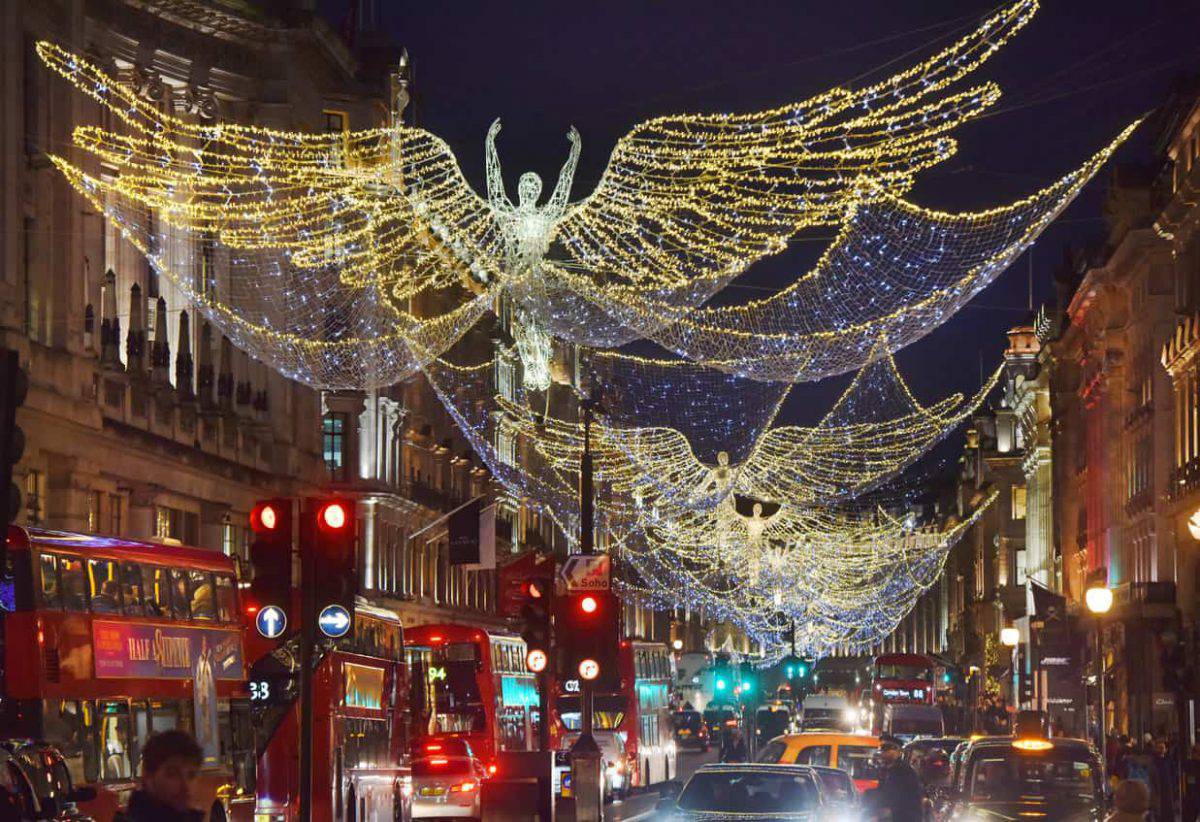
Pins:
x: 900, y: 794
x: 170, y: 765
x: 1166, y: 781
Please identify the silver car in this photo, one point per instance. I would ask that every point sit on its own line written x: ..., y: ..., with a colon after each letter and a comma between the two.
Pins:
x: 762, y: 792
x: 446, y: 786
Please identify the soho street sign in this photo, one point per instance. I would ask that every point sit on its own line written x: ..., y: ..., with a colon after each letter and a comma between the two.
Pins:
x: 586, y: 572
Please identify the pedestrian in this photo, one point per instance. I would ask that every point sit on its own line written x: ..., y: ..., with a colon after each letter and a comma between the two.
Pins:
x: 900, y: 795
x: 1191, y: 786
x: 170, y: 765
x: 1166, y: 781
x: 1131, y: 800
x: 735, y: 750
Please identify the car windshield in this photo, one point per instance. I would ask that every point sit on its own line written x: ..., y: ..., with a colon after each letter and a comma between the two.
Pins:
x: 686, y: 719
x: 748, y: 791
x: 1006, y: 775
x: 911, y: 725
x: 718, y: 715
x: 435, y: 766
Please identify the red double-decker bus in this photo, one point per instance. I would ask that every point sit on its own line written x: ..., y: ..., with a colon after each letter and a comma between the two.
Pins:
x: 107, y: 641
x: 632, y: 725
x: 360, y: 726
x: 901, y: 679
x: 478, y: 689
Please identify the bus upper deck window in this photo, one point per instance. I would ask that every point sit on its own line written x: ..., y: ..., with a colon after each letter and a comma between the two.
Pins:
x: 226, y: 601
x: 72, y: 582
x: 180, y: 597
x: 51, y: 592
x: 157, y: 596
x: 204, y: 597
x: 131, y: 588
x: 104, y: 586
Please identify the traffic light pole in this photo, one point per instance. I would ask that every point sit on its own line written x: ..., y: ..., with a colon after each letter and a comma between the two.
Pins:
x: 585, y: 753
x: 308, y: 605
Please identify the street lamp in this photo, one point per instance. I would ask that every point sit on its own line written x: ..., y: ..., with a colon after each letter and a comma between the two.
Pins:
x: 1010, y: 637
x: 677, y: 644
x: 1099, y: 600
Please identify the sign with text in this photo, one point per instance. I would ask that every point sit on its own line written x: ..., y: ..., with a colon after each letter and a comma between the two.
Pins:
x: 586, y: 572
x: 473, y: 535
x: 136, y: 650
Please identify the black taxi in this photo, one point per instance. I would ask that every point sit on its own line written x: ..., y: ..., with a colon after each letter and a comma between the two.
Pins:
x: 997, y: 778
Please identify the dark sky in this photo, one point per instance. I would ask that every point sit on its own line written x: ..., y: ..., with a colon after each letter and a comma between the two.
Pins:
x: 1071, y: 79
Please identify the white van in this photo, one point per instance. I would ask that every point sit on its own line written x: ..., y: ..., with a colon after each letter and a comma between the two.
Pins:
x: 820, y: 712
x: 907, y: 722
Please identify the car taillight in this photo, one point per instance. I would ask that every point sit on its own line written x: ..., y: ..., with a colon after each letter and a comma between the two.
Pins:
x: 438, y: 760
x: 465, y: 787
x: 492, y: 769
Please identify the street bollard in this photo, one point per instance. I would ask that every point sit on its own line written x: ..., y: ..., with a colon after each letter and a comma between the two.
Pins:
x: 585, y: 779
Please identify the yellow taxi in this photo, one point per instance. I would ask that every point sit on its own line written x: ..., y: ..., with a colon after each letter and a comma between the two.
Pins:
x: 852, y: 753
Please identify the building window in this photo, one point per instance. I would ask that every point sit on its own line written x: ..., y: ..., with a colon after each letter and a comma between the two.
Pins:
x: 93, y: 512
x: 334, y: 445
x: 1018, y: 502
x: 35, y: 497
x: 176, y: 524
x: 338, y: 122
x: 115, y: 503
x: 229, y: 540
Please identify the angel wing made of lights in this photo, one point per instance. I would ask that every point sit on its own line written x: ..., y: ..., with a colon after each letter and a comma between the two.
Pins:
x: 349, y: 260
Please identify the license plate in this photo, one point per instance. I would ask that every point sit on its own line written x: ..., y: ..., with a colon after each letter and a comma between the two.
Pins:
x: 432, y: 791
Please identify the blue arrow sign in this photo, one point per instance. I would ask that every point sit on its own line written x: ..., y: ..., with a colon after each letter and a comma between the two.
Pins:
x: 271, y: 622
x: 334, y: 621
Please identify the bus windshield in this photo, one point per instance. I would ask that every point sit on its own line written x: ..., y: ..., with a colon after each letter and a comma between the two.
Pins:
x: 921, y: 672
x: 608, y: 711
x: 458, y: 704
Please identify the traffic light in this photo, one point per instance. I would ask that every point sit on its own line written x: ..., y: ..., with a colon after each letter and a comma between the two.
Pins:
x: 271, y: 556
x: 535, y: 623
x: 748, y: 686
x: 588, y: 628
x: 14, y: 384
x: 328, y: 546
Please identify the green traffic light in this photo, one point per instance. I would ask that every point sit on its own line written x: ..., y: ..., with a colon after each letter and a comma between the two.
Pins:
x: 747, y: 687
x: 791, y: 672
x: 803, y: 671
x: 720, y: 684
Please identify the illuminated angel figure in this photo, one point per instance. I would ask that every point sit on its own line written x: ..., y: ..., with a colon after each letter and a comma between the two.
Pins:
x: 351, y: 260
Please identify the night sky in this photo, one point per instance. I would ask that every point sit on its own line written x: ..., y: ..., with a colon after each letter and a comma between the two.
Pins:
x: 1071, y: 79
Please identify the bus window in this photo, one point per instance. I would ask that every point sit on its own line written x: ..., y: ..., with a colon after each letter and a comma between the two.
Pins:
x: 114, y: 738
x: 226, y: 601
x: 64, y: 723
x: 74, y: 588
x: 50, y: 590
x: 204, y: 601
x: 103, y: 586
x: 180, y: 600
x: 131, y: 588
x: 158, y: 590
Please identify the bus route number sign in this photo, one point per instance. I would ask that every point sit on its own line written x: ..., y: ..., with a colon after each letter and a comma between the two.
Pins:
x: 270, y: 690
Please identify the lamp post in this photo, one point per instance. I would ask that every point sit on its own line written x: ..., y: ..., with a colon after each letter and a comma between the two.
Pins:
x: 1010, y: 638
x: 1099, y: 600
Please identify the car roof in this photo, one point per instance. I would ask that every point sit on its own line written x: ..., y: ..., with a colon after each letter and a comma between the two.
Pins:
x: 822, y: 738
x: 765, y: 767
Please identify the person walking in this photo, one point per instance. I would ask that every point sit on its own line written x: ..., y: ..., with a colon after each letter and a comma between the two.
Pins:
x: 1166, y: 781
x: 900, y: 795
x: 170, y: 765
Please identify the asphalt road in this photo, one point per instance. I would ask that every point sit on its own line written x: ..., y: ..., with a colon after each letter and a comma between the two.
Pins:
x: 640, y: 805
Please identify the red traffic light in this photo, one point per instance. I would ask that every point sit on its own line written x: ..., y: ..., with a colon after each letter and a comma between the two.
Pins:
x: 264, y: 517
x: 589, y: 604
x: 536, y: 660
x: 589, y: 669
x: 534, y: 589
x: 334, y: 516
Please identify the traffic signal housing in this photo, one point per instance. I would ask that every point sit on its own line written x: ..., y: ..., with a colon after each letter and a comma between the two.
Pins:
x: 329, y: 546
x: 271, y: 522
x: 588, y: 628
x: 14, y: 384
x: 535, y: 622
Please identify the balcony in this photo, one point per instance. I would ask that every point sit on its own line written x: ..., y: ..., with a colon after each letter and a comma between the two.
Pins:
x: 1184, y: 479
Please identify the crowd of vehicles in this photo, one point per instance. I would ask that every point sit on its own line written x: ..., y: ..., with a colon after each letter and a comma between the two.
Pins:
x: 107, y: 641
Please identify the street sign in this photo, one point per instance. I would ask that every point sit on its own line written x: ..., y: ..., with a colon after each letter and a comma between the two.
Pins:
x: 334, y: 621
x: 586, y: 572
x: 271, y: 622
